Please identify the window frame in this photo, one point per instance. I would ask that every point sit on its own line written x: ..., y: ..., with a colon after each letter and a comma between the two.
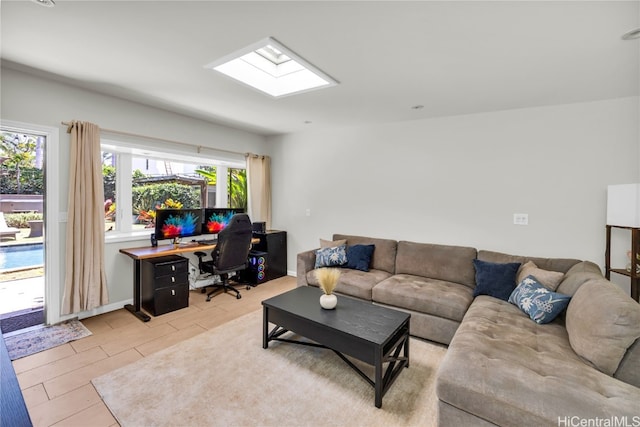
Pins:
x: 125, y: 152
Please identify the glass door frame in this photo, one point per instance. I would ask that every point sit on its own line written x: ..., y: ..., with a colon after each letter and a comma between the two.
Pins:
x: 53, y: 283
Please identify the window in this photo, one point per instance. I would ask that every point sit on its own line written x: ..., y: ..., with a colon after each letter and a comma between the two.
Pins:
x: 137, y: 182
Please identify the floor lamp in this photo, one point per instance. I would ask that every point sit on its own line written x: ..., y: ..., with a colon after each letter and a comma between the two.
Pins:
x: 623, y: 211
x: 623, y: 205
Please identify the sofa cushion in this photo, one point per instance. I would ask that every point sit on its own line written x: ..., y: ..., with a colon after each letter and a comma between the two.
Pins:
x: 359, y: 256
x: 541, y: 304
x: 356, y: 283
x: 629, y: 368
x: 549, y: 279
x: 577, y: 276
x: 331, y: 257
x: 442, y: 262
x: 554, y: 264
x: 602, y: 322
x: 495, y: 279
x: 431, y: 296
x: 332, y: 243
x: 508, y: 370
x: 384, y: 257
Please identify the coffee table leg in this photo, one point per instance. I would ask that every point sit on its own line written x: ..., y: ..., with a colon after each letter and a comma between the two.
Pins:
x: 265, y: 327
x: 378, y: 378
x: 406, y: 351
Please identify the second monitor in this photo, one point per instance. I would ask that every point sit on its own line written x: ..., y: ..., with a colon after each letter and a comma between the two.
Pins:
x: 216, y: 219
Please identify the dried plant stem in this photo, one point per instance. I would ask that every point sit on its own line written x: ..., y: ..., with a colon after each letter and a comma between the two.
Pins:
x: 328, y: 279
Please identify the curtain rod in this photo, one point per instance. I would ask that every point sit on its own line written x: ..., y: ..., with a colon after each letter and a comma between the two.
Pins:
x: 135, y: 135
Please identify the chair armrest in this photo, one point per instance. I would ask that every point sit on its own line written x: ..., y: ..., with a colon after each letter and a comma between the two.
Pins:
x: 200, y: 254
x: 306, y: 263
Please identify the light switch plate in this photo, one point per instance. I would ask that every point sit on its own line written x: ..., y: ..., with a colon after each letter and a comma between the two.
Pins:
x: 521, y: 219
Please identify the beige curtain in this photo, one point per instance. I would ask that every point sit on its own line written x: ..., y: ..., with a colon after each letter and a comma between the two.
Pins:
x: 259, y: 188
x: 85, y: 284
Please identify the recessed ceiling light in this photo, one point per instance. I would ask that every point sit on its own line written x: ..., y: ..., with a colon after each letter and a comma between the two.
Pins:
x: 273, y: 69
x: 633, y: 34
x: 46, y: 3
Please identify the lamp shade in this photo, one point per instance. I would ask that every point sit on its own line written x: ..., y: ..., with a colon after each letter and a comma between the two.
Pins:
x: 623, y: 205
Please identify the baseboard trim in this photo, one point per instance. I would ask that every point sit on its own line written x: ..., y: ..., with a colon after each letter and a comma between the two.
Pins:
x: 113, y: 307
x: 96, y: 311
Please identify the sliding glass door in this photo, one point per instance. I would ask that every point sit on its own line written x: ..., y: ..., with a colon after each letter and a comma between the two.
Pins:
x: 22, y: 261
x: 29, y: 228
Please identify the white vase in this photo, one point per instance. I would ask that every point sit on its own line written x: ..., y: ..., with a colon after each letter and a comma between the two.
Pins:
x: 328, y: 302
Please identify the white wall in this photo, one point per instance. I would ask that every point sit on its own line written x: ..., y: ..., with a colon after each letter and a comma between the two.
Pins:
x: 454, y: 180
x: 30, y: 99
x: 459, y: 180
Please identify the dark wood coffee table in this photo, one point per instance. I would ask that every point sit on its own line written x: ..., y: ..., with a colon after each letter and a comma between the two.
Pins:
x: 370, y: 333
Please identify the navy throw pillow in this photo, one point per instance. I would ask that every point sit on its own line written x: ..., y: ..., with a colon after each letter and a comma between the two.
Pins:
x: 359, y: 257
x: 494, y: 279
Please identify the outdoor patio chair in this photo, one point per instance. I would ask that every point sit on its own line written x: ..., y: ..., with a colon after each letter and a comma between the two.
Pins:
x: 7, y: 231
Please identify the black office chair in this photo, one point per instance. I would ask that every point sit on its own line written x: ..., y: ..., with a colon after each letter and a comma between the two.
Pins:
x: 230, y: 254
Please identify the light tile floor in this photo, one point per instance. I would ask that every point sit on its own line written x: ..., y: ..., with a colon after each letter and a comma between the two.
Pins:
x: 56, y: 383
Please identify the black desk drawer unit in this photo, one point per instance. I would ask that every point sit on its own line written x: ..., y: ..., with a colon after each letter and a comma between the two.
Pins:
x: 165, y: 284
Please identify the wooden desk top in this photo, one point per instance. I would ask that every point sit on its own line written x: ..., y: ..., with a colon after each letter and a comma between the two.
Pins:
x: 164, y: 250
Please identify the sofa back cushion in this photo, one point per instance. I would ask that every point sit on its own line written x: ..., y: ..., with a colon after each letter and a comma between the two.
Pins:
x: 553, y: 264
x: 384, y: 254
x: 602, y: 323
x: 577, y: 276
x: 441, y: 262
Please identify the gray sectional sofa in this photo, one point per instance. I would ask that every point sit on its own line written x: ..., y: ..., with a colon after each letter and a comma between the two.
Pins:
x: 501, y: 367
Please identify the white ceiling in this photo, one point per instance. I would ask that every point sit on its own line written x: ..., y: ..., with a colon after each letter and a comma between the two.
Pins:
x: 453, y: 57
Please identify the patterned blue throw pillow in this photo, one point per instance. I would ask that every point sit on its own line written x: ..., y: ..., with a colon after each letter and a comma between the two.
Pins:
x: 538, y: 302
x: 331, y: 257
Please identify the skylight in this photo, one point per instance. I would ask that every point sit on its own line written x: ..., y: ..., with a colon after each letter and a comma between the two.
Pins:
x: 273, y: 69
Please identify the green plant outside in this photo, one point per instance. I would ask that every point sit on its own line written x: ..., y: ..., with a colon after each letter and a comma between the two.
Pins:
x: 31, y: 181
x: 236, y: 185
x: 18, y: 174
x: 19, y: 220
x: 147, y: 197
x: 109, y: 182
x: 237, y: 188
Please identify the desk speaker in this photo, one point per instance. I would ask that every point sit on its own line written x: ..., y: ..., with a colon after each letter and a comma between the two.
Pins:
x: 259, y: 227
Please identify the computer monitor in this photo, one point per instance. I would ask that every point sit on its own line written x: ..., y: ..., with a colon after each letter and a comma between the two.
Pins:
x: 216, y: 219
x: 177, y: 223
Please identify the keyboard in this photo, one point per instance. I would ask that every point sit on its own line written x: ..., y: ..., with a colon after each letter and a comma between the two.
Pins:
x: 207, y: 242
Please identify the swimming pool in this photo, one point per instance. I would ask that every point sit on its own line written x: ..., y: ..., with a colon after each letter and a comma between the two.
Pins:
x: 21, y: 256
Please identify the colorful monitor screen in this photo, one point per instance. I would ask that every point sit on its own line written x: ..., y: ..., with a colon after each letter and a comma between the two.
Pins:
x: 176, y: 223
x: 216, y: 219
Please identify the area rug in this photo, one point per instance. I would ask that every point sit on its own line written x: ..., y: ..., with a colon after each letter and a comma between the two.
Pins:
x: 224, y: 377
x: 35, y: 341
x: 22, y: 319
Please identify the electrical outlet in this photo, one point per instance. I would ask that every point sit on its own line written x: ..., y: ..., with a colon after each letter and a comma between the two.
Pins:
x: 521, y: 219
x: 307, y: 212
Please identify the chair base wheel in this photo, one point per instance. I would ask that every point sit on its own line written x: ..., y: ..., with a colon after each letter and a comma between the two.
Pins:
x: 238, y: 296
